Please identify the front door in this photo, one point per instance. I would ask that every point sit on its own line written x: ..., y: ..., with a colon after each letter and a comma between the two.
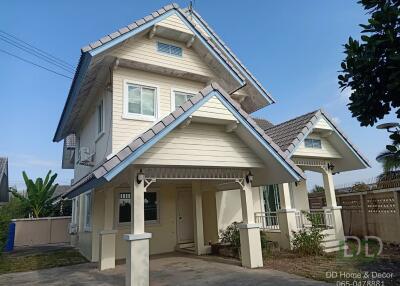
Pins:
x: 185, y: 215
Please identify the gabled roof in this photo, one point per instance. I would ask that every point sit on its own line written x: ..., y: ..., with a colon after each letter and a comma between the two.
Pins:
x: 3, y: 179
x: 114, y: 165
x: 3, y: 166
x: 230, y: 52
x: 285, y: 133
x: 263, y: 123
x: 235, y: 68
x: 289, y: 134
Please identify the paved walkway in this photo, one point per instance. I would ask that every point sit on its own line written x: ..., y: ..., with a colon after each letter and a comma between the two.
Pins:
x: 173, y: 269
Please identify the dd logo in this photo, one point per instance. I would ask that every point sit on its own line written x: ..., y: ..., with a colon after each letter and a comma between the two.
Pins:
x: 368, y: 238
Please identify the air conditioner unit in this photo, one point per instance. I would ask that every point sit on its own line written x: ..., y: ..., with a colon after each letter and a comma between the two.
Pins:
x: 85, y: 157
x: 72, y: 228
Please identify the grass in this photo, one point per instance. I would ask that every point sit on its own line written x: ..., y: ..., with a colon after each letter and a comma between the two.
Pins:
x: 319, y: 267
x: 10, y: 263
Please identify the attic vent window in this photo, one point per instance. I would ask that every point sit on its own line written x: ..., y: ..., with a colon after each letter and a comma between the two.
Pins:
x: 313, y: 143
x: 169, y: 49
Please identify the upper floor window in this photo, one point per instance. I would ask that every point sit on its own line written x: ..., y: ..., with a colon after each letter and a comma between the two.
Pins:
x: 180, y: 97
x: 169, y: 49
x: 150, y: 207
x: 100, y: 118
x: 88, y: 211
x: 312, y: 143
x: 140, y: 102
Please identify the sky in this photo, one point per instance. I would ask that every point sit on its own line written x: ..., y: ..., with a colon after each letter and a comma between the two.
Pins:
x: 294, y: 48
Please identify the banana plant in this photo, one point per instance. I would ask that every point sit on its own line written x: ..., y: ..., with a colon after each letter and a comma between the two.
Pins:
x: 39, y: 195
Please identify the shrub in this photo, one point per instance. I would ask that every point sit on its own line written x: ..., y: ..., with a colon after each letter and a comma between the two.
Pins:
x: 231, y: 236
x: 308, y: 241
x: 13, y: 209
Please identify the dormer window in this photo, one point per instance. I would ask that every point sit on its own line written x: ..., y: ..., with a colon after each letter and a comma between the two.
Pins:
x: 312, y: 143
x: 169, y: 49
x: 140, y: 102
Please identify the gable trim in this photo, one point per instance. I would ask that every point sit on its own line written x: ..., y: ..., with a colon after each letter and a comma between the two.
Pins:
x: 135, y: 155
x: 320, y: 114
x: 239, y: 65
x: 150, y: 23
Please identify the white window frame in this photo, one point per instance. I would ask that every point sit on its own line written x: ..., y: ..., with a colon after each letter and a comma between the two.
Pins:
x: 75, y: 211
x: 87, y: 225
x: 100, y: 132
x: 176, y: 89
x: 146, y: 222
x: 313, y: 139
x: 128, y: 115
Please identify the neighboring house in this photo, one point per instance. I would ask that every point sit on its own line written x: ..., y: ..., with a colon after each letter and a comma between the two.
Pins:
x: 157, y: 118
x: 4, y: 195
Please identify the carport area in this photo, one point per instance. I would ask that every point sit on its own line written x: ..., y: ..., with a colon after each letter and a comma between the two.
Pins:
x: 169, y: 269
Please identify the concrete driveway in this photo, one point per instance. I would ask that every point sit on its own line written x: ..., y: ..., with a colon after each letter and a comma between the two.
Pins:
x: 171, y: 269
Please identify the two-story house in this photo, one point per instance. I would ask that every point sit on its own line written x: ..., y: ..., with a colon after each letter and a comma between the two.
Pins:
x: 157, y: 128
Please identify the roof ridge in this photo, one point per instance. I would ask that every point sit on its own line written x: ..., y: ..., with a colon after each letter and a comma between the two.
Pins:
x: 295, y: 118
x: 129, y: 27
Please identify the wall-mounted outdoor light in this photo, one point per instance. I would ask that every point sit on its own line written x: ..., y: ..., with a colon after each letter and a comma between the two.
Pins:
x: 249, y: 178
x: 140, y: 177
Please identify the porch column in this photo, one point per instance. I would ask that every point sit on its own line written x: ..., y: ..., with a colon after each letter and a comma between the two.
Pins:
x: 137, y: 260
x: 331, y: 205
x: 250, y: 244
x: 198, y: 218
x: 107, y: 235
x: 286, y: 217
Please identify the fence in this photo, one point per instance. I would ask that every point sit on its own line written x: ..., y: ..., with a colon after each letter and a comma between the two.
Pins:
x: 372, y: 212
x: 39, y: 231
x: 268, y: 220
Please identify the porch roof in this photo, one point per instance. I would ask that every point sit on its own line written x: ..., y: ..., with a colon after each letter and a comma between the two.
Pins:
x: 289, y: 134
x: 118, y: 162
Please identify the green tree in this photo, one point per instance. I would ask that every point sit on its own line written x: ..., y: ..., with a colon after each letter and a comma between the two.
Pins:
x: 371, y: 69
x: 317, y: 189
x: 39, y: 195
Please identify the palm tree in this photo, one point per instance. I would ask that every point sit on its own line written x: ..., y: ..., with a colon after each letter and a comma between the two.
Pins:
x: 39, y: 195
x: 390, y: 159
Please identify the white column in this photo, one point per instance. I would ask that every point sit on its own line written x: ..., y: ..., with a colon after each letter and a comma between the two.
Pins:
x: 198, y: 218
x: 329, y: 188
x: 137, y: 260
x: 250, y: 244
x: 107, y: 235
x: 331, y: 204
x: 286, y: 217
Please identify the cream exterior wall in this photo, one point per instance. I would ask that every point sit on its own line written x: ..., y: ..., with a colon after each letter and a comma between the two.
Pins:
x: 124, y: 130
x: 201, y: 145
x: 229, y: 208
x: 326, y: 151
x: 144, y: 50
x: 214, y: 108
x: 300, y: 195
x: 88, y: 136
x: 174, y: 22
x: 322, y: 124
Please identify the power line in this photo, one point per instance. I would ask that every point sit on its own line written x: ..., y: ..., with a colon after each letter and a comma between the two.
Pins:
x: 32, y: 63
x: 39, y: 50
x: 31, y: 52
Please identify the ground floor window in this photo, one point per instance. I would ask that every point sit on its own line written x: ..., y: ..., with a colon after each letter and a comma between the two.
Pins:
x: 151, y: 207
x: 88, y: 211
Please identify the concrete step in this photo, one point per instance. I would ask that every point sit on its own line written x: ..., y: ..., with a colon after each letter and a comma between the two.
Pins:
x: 333, y: 246
x: 186, y: 247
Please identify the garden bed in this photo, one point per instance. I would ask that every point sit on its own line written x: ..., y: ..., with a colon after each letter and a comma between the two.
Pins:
x: 321, y: 267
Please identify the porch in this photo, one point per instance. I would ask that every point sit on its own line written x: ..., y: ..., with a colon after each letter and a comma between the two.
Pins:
x: 174, y: 209
x: 286, y: 209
